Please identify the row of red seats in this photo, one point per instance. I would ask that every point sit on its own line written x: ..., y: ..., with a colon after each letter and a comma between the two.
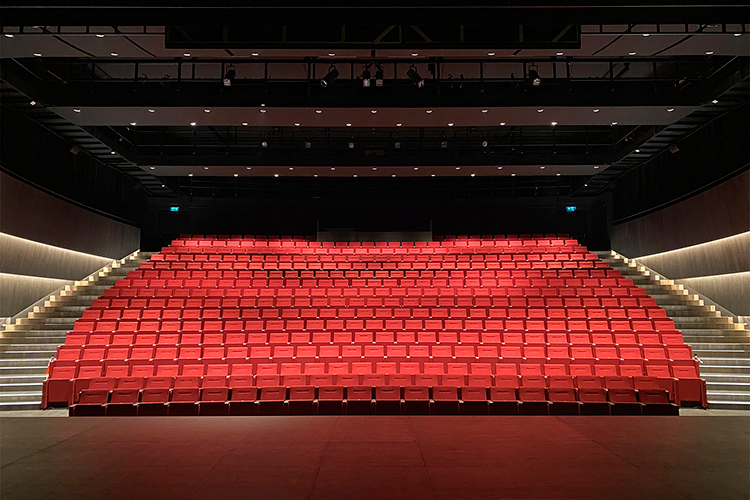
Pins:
x: 370, y: 254
x: 471, y: 339
x: 427, y: 358
x: 492, y: 273
x: 173, y: 311
x: 99, y: 400
x: 272, y: 299
x: 495, y: 326
x: 312, y: 238
x: 379, y: 244
x: 364, y: 266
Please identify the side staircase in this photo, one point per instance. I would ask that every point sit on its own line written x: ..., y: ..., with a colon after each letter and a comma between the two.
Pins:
x: 27, y: 345
x: 722, y: 346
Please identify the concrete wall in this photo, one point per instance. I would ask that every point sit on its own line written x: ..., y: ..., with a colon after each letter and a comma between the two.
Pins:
x: 46, y: 242
x: 703, y: 242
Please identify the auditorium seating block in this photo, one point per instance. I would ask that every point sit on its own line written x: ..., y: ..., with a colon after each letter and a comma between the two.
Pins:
x: 256, y: 325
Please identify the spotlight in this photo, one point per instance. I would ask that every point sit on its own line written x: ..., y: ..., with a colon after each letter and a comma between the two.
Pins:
x: 484, y: 144
x: 378, y: 75
x: 229, y: 76
x: 236, y: 175
x: 333, y: 73
x: 264, y: 144
x: 308, y: 144
x: 444, y: 144
x: 366, y: 76
x: 414, y: 76
x: 534, y: 75
x: 351, y: 145
x: 33, y: 103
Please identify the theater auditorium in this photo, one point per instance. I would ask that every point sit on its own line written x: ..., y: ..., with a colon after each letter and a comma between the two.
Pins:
x: 419, y: 249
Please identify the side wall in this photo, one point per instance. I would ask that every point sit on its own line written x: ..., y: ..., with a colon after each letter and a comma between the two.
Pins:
x: 704, y: 240
x: 46, y: 242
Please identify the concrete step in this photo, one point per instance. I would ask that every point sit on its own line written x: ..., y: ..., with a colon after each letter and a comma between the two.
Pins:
x: 729, y: 405
x: 31, y: 339
x: 21, y: 397
x: 719, y: 346
x: 21, y: 387
x: 23, y: 379
x: 726, y: 362
x: 672, y: 299
x: 20, y: 406
x: 26, y: 334
x: 702, y: 321
x: 40, y: 354
x: 722, y: 369
x: 692, y: 312
x: 728, y: 386
x: 723, y: 396
x: 721, y: 378
x: 14, y: 371
x: 723, y: 353
x: 71, y: 308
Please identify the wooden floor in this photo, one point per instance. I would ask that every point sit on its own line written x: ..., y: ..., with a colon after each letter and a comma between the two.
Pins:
x: 375, y: 457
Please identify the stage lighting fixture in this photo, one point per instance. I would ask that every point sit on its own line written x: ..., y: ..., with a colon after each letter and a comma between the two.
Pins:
x: 378, y: 75
x: 414, y: 76
x: 534, y: 75
x: 333, y: 73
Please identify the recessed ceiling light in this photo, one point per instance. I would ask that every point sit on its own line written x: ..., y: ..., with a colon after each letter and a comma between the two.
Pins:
x: 262, y: 110
x: 490, y: 53
x: 715, y: 101
x: 291, y: 168
x: 331, y: 54
x: 373, y: 111
x: 355, y: 175
x: 248, y: 168
x: 275, y: 175
x: 513, y: 175
x: 499, y: 168
x: 244, y: 123
x: 33, y: 103
x: 614, y: 123
x: 190, y: 175
x: 393, y: 175
x: 554, y: 123
x: 647, y: 34
x: 485, y: 144
x: 114, y: 54
x: 315, y: 175
x: 458, y: 168
x: 558, y: 174
x: 193, y: 124
x: 631, y: 53
x: 539, y: 110
x: 296, y: 124
x: 206, y: 110
x: 333, y: 168
x: 132, y: 124
x: 415, y: 54
x: 709, y: 52
x: 37, y: 54
x: 236, y: 175
x: 9, y: 35
x: 559, y: 53
x: 502, y: 123
x: 586, y: 185
x: 473, y: 175
x: 450, y: 124
x: 264, y: 144
x: 262, y: 105
x: 162, y: 185
x: 186, y: 54
x: 637, y: 150
x: 205, y: 168
x: 374, y: 168
x: 255, y: 54
x: 76, y: 110
x: 152, y: 168
x: 485, y: 110
x: 151, y: 110
x: 398, y: 124
x: 428, y: 111
x: 318, y: 111
x: 669, y: 110
x: 416, y: 168
x: 99, y: 35
x: 348, y: 124
x: 596, y: 167
x: 595, y: 110
x: 738, y: 34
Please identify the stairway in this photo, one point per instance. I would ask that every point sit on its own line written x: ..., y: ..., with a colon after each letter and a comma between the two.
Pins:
x: 27, y: 346
x: 722, y: 346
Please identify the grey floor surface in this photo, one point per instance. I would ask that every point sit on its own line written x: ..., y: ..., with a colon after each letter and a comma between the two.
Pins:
x: 375, y: 457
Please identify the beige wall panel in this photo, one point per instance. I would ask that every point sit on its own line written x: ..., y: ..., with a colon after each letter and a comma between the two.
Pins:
x: 19, y: 292
x: 727, y: 255
x: 32, y: 214
x: 731, y: 291
x: 717, y: 213
x: 24, y: 257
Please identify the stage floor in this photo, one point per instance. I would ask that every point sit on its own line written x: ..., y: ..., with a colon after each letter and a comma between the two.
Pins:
x: 375, y: 457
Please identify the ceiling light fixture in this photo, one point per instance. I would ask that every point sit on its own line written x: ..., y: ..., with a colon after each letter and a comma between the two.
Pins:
x: 559, y: 53
x: 393, y: 175
x: 319, y: 111
x: 132, y: 124
x: 450, y: 124
x: 275, y: 175
x: 414, y: 54
x: 490, y: 54
x: 432, y: 175
x: 540, y: 111
x: 513, y: 174
x: 244, y: 123
x: 114, y: 54
x: 112, y: 153
x: 264, y: 144
x: 473, y: 175
x: 206, y: 110
x: 541, y: 167
x: 485, y: 110
x: 331, y: 54
x: 37, y: 54
x: 502, y: 124
x: 554, y: 123
x: 205, y: 168
x: 348, y: 124
x: 193, y: 124
x: 333, y: 168
x: 236, y: 175
x: 715, y: 101
x: 614, y: 123
x: 558, y: 174
x: 262, y: 110
x: 428, y: 111
x: 596, y: 167
x: 374, y: 168
x: 458, y: 168
x: 151, y: 110
x: 296, y: 124
x: 9, y: 35
x: 186, y: 54
x: 595, y: 110
x: 152, y: 168
x: 637, y: 150
x: 499, y: 168
x: 374, y: 111
x: 669, y: 110
x: 646, y: 34
x: 254, y: 54
x: 190, y: 175
x: 709, y: 52
x: 398, y: 124
x: 631, y: 53
x: 76, y: 110
x: 99, y: 35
